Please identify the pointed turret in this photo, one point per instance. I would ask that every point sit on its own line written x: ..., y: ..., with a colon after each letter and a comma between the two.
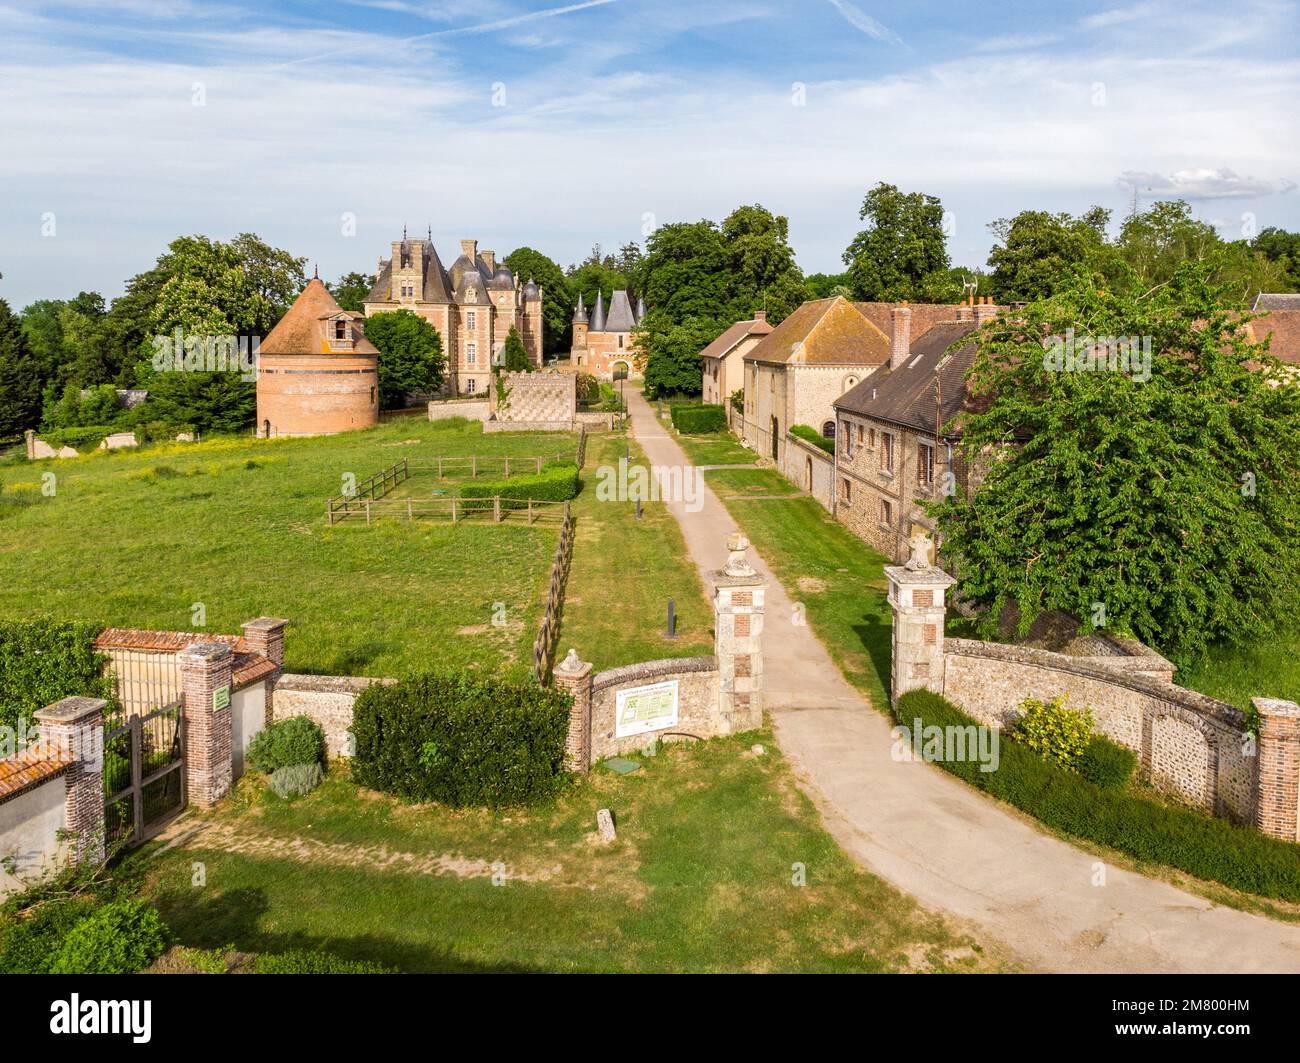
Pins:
x: 580, y: 312
x: 598, y: 315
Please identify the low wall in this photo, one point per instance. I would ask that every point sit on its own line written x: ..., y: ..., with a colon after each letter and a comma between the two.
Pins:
x: 810, y: 469
x: 526, y: 426
x: 30, y: 826
x: 327, y: 699
x: 697, y: 702
x: 479, y: 410
x: 1189, y: 744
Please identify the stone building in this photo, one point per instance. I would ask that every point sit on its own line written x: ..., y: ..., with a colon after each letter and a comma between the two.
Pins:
x: 602, y: 344
x: 473, y: 306
x: 317, y: 374
x: 895, y: 446
x: 723, y: 359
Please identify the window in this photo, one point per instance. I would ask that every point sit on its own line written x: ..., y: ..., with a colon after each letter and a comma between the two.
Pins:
x: 340, y: 329
x: 620, y: 339
x: 886, y: 511
x: 471, y: 386
x: 886, y: 452
x: 872, y: 439
x: 846, y: 490
x: 471, y: 353
x: 828, y: 430
x: 470, y: 318
x: 846, y: 434
x: 924, y: 464
x: 860, y: 435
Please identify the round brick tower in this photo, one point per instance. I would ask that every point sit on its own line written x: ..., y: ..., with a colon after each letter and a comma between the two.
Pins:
x: 317, y: 374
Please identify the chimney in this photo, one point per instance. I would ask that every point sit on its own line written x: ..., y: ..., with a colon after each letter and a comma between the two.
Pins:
x: 469, y: 248
x: 490, y: 257
x: 985, y: 310
x: 760, y: 316
x: 902, y: 340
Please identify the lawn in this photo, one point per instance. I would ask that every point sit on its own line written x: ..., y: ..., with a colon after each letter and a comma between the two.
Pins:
x: 140, y: 538
x: 711, y: 838
x: 754, y: 482
x: 713, y: 448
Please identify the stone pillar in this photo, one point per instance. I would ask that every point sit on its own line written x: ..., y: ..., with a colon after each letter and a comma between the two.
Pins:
x: 916, y: 593
x: 573, y: 676
x: 74, y: 728
x: 29, y: 437
x: 1277, y: 808
x: 738, y: 593
x: 265, y: 636
x: 205, y: 679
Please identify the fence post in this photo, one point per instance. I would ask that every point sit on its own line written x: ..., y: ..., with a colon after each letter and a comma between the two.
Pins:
x: 507, y: 476
x: 75, y: 727
x: 439, y: 468
x: 453, y: 509
x: 473, y: 466
x: 573, y: 676
x: 409, y: 514
x: 916, y: 594
x: 205, y: 682
x: 367, y: 511
x: 496, y: 509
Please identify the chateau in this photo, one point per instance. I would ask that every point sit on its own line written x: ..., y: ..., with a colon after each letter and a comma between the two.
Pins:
x: 473, y: 306
x: 603, y: 343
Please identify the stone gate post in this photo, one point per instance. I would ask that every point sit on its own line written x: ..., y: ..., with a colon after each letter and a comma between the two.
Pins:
x: 738, y: 603
x: 205, y: 680
x: 74, y: 727
x: 573, y: 676
x: 916, y: 594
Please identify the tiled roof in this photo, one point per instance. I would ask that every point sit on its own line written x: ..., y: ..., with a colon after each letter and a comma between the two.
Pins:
x: 908, y: 395
x: 25, y: 770
x: 302, y: 331
x: 733, y: 336
x: 1283, y: 326
x: 924, y: 316
x: 246, y: 667
x: 823, y: 332
x: 1276, y: 301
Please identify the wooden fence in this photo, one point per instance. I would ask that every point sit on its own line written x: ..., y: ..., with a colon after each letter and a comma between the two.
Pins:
x: 544, y: 644
x: 495, y: 509
x: 474, y: 465
x: 368, y: 490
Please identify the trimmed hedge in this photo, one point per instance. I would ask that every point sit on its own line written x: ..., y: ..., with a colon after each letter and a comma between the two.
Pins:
x: 1209, y: 848
x: 1106, y: 764
x: 810, y: 435
x: 28, y: 946
x: 461, y: 738
x: 42, y: 661
x: 694, y: 420
x: 557, y: 482
x: 297, y: 740
x: 81, y: 438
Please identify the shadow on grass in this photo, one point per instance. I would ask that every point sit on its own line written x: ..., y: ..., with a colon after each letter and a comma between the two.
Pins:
x: 233, y: 918
x: 876, y: 637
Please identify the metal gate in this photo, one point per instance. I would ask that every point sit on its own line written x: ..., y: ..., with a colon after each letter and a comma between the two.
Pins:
x: 144, y: 774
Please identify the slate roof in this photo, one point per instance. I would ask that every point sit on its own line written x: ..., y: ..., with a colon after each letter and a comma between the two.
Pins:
x: 598, y: 315
x: 1276, y: 301
x: 830, y: 331
x: 734, y: 335
x: 302, y: 329
x: 621, y: 318
x: 580, y: 312
x: 907, y: 396
x: 436, y: 284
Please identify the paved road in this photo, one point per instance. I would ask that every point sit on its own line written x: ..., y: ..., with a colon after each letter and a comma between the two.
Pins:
x: 946, y: 844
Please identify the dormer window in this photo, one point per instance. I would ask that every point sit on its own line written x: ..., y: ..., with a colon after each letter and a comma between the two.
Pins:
x: 340, y: 329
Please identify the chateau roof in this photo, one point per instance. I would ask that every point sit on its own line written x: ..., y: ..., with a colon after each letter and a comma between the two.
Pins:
x: 734, y: 335
x: 436, y: 284
x: 640, y: 308
x: 580, y: 312
x: 908, y: 396
x: 302, y: 329
x: 502, y: 279
x: 598, y: 315
x: 531, y: 291
x: 830, y: 331
x: 621, y: 318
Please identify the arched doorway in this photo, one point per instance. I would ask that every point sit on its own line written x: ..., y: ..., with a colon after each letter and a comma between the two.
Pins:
x: 807, y: 474
x: 620, y: 370
x: 776, y: 440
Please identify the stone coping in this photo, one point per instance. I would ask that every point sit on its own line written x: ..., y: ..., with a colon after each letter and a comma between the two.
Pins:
x: 1092, y: 668
x: 648, y: 670
x: 329, y: 684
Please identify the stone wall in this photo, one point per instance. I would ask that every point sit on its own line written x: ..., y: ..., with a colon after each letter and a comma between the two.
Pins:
x: 538, y: 398
x: 697, y: 696
x: 811, y: 469
x: 444, y: 410
x: 327, y: 699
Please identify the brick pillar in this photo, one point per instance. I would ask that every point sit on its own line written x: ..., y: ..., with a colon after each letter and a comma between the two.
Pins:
x: 916, y: 593
x: 573, y: 676
x: 738, y: 593
x: 265, y: 636
x: 205, y: 680
x: 1276, y: 809
x: 75, y: 727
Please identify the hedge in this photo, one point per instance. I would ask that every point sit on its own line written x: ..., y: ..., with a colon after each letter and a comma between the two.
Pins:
x: 810, y: 435
x: 81, y: 438
x: 461, y: 738
x: 694, y: 420
x: 297, y: 740
x: 42, y: 661
x: 1201, y: 845
x: 557, y: 482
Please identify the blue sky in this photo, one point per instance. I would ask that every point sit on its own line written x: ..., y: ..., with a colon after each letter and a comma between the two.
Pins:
x: 326, y: 126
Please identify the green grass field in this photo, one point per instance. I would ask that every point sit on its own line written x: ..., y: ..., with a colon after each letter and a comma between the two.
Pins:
x: 702, y: 877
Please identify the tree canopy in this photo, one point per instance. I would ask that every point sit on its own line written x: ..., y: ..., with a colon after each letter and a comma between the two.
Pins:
x: 410, y: 355
x: 351, y: 289
x: 514, y: 356
x: 903, y: 244
x: 527, y: 264
x: 20, y: 381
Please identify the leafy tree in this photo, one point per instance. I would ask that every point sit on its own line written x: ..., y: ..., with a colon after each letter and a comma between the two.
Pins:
x: 1164, y: 505
x: 514, y: 357
x: 1283, y: 248
x: 351, y: 289
x: 1156, y: 242
x: 410, y: 355
x: 761, y: 264
x: 670, y: 354
x: 1036, y: 251
x: 903, y: 243
x: 557, y: 301
x: 686, y: 272
x: 20, y: 381
x: 824, y: 285
x: 591, y: 278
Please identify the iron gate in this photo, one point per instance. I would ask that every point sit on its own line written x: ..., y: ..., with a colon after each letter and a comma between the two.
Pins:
x: 144, y: 773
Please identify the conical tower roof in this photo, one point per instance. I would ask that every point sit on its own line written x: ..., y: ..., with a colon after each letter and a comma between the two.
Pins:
x: 301, y: 330
x: 580, y: 312
x: 598, y: 315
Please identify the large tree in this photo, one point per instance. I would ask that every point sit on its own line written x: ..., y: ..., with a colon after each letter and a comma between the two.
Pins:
x: 528, y: 264
x: 669, y: 354
x: 514, y: 356
x: 1036, y: 250
x: 20, y: 382
x: 903, y: 243
x: 351, y: 289
x: 1282, y: 248
x: 764, y: 275
x: 1161, y: 500
x: 410, y: 355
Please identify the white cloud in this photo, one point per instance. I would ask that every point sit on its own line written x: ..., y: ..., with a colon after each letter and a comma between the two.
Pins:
x: 860, y: 20
x: 1202, y: 183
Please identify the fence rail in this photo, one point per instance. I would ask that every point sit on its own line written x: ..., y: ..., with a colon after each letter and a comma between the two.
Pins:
x: 544, y: 644
x: 497, y: 509
x: 476, y: 464
x: 370, y: 489
x: 143, y: 680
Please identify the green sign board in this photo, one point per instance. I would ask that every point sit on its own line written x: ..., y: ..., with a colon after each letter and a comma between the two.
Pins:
x: 221, y: 698
x: 647, y: 708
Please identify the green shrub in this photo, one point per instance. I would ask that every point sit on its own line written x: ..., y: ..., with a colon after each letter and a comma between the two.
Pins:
x: 810, y: 435
x: 120, y: 938
x: 295, y: 780
x: 297, y: 740
x: 1106, y: 764
x: 557, y: 482
x: 155, y: 432
x: 738, y: 400
x: 1209, y: 848
x: 461, y: 738
x: 695, y: 419
x: 307, y: 961
x: 80, y: 438
x: 42, y: 661
x: 27, y: 946
x: 1053, y: 730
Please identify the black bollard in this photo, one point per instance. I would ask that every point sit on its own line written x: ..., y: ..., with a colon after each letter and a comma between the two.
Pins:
x: 672, y: 619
